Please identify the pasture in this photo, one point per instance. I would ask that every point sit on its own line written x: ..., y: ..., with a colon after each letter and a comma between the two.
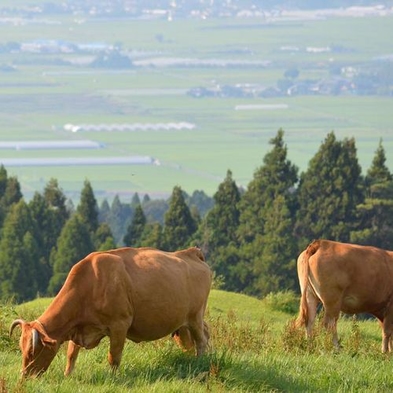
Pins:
x: 49, y: 90
x: 254, y: 349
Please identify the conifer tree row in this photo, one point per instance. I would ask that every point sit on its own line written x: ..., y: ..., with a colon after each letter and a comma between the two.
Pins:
x: 251, y: 236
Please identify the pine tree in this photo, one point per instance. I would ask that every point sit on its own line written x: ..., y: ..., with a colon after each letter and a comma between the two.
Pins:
x: 201, y: 201
x: 119, y: 219
x: 275, y: 268
x: 218, y: 232
x: 10, y: 193
x: 13, y: 193
x: 3, y: 185
x: 179, y: 224
x: 135, y: 201
x: 42, y: 215
x: 329, y: 192
x: 74, y: 243
x: 50, y: 213
x: 56, y: 199
x: 152, y: 236
x: 376, y: 213
x: 378, y: 180
x: 277, y: 176
x: 273, y: 183
x: 88, y: 208
x: 155, y: 210
x: 3, y: 180
x: 135, y: 230
x: 19, y: 267
x: 103, y: 238
x: 223, y: 218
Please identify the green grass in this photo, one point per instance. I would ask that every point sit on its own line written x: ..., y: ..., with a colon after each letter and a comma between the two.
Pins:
x: 255, y: 348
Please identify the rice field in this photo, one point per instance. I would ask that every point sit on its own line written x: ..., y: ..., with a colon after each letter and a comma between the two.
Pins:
x: 47, y: 91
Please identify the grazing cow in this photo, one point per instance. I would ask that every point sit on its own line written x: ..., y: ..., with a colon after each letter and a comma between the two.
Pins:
x: 349, y: 278
x: 142, y: 294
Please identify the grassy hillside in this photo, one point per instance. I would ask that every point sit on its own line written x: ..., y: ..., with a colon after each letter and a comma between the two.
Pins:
x: 254, y: 349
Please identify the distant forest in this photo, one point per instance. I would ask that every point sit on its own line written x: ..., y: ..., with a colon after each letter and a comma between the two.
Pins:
x: 251, y: 237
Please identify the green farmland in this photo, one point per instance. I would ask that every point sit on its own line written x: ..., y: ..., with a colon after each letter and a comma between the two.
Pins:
x: 46, y: 91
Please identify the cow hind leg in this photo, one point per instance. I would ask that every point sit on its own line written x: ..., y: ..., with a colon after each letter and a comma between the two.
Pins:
x: 312, y: 305
x: 184, y: 339
x: 200, y: 333
x: 332, y: 313
x: 386, y: 335
x: 72, y: 355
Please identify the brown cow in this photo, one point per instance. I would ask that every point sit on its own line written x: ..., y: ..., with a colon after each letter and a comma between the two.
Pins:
x: 142, y: 294
x: 349, y: 278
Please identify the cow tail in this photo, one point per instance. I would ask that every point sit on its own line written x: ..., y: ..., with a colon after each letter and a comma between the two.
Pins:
x: 303, y: 272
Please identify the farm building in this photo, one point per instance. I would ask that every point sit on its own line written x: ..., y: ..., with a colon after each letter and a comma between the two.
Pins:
x: 78, y: 161
x: 43, y: 145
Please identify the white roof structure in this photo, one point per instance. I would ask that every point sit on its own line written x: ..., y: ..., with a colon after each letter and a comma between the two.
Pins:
x: 49, y: 145
x: 78, y: 161
x: 129, y: 127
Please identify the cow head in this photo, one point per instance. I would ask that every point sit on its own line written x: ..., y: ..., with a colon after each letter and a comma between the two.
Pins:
x: 38, y: 349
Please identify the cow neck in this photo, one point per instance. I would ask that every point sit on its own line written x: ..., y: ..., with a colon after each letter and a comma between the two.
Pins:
x: 60, y: 318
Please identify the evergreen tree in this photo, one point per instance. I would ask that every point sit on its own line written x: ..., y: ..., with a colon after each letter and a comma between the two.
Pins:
x: 218, y: 232
x: 10, y: 193
x: 258, y: 206
x: 50, y: 213
x: 277, y: 176
x: 152, y: 236
x: 135, y: 201
x: 201, y: 201
x: 74, y: 243
x: 3, y: 180
x: 3, y: 185
x: 103, y: 238
x: 179, y: 224
x: 155, y: 210
x: 135, y: 230
x: 119, y: 219
x: 104, y: 212
x: 329, y: 192
x: 223, y: 218
x: 13, y: 193
x: 45, y: 236
x: 19, y: 267
x: 88, y: 208
x: 55, y: 198
x: 379, y: 179
x: 275, y: 268
x: 376, y: 213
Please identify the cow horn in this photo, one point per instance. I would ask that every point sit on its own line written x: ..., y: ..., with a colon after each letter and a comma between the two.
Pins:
x: 35, y: 336
x: 14, y: 324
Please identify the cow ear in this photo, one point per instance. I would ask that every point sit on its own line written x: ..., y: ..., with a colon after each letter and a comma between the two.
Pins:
x: 49, y: 342
x: 45, y: 339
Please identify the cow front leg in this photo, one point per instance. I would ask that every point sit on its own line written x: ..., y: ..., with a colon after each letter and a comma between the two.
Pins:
x: 117, y: 340
x: 72, y: 355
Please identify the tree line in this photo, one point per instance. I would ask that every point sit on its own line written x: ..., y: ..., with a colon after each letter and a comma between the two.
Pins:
x: 251, y: 236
